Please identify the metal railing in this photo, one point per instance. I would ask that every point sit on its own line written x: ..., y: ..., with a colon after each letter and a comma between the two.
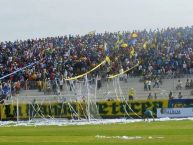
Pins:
x: 109, y: 89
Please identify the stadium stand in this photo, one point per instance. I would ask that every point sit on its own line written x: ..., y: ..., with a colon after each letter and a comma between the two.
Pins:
x: 165, y: 57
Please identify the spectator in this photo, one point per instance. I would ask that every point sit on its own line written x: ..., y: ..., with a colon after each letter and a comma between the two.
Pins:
x: 61, y: 83
x: 131, y: 93
x: 179, y: 85
x: 191, y: 84
x: 171, y: 95
x: 146, y: 85
x: 149, y: 97
x: 1, y: 90
x: 180, y: 95
x: 17, y: 87
x: 187, y: 86
x: 155, y: 96
x: 99, y: 84
x: 6, y: 90
x: 39, y: 85
x: 156, y: 83
x: 149, y: 85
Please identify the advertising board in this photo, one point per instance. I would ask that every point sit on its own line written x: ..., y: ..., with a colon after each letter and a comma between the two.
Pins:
x: 174, y: 112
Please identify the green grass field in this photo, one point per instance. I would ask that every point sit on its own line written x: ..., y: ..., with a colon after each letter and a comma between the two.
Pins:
x: 152, y: 133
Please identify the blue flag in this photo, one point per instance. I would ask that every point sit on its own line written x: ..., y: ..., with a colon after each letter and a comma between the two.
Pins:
x: 132, y: 41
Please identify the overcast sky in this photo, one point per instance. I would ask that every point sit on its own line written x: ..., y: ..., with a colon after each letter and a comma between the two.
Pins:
x: 22, y: 19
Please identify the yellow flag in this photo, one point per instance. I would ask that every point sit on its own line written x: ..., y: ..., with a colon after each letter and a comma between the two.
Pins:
x: 153, y: 45
x: 134, y: 35
x: 92, y: 32
x: 132, y: 52
x: 118, y: 42
x: 108, y: 60
x: 145, y: 45
x: 124, y: 45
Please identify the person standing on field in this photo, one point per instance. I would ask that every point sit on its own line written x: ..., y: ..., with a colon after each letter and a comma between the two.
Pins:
x: 148, y: 114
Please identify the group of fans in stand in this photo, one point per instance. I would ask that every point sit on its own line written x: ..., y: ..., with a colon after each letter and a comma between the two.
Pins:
x: 160, y: 52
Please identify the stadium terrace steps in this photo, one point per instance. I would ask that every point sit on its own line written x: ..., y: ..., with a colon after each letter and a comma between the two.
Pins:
x: 109, y: 90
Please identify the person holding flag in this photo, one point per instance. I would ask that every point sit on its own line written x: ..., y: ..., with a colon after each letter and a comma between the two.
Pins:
x: 133, y: 39
x: 6, y: 90
x: 132, y: 52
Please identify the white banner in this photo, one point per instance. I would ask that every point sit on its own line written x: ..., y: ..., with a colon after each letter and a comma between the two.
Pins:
x: 174, y: 112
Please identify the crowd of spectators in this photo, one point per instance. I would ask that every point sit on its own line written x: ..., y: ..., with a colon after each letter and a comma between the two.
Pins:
x: 160, y: 52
